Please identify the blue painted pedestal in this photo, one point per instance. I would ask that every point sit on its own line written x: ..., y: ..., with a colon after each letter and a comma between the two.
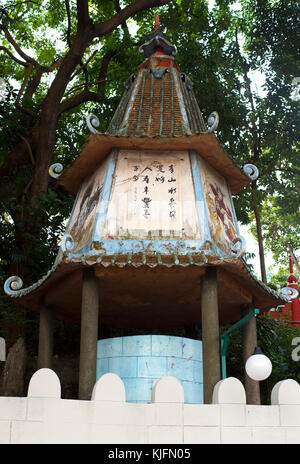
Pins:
x: 141, y: 360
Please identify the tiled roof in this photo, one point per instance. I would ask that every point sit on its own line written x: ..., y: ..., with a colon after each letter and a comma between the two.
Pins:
x: 158, y: 101
x: 66, y: 263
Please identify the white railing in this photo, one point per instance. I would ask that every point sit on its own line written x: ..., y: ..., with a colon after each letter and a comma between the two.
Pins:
x: 43, y: 417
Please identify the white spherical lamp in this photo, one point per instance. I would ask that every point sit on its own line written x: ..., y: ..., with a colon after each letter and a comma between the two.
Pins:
x: 258, y: 366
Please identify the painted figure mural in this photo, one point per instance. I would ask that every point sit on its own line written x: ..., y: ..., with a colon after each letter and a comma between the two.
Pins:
x: 221, y: 218
x: 223, y: 212
x: 84, y: 214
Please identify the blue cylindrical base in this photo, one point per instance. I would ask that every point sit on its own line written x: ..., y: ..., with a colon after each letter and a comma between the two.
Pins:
x: 141, y: 360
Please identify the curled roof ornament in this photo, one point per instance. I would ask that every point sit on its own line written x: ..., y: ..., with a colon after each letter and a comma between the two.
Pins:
x: 12, y: 285
x: 251, y: 171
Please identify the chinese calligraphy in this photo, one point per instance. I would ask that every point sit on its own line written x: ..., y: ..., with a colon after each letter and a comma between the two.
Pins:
x: 152, y: 192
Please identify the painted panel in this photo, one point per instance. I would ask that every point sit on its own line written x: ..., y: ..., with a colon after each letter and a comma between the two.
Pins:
x: 199, y: 195
x: 105, y: 195
x: 152, y: 197
x: 83, y: 218
x: 221, y: 220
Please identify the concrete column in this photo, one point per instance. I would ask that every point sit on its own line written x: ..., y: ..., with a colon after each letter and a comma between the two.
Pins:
x: 89, y: 333
x: 249, y: 342
x: 45, y: 350
x: 210, y: 333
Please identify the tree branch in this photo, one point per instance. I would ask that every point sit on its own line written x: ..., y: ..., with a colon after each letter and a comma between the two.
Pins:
x: 84, y: 65
x: 34, y: 83
x: 83, y: 17
x: 9, y: 53
x: 28, y: 148
x: 139, y: 5
x: 290, y: 170
x: 103, y: 71
x: 67, y: 3
x: 118, y: 9
x: 17, y: 18
x: 78, y: 99
x: 18, y: 49
x: 17, y: 102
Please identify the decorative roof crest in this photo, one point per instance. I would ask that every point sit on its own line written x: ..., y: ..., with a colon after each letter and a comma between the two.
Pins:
x: 157, y: 41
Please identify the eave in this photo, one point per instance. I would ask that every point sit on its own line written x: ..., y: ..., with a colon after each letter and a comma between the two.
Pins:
x: 99, y: 146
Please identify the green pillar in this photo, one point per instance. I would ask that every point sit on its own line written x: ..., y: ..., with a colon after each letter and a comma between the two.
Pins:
x: 210, y: 333
x: 89, y: 333
x: 45, y: 349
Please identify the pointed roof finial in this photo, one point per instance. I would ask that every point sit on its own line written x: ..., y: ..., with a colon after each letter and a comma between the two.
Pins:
x: 156, y: 22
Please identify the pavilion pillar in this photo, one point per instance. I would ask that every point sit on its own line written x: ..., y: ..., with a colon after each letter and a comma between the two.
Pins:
x: 249, y: 342
x: 45, y: 348
x: 89, y: 333
x: 210, y: 333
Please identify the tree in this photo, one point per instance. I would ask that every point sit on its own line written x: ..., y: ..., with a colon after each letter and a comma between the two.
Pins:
x: 269, y: 29
x: 281, y: 230
x: 58, y: 60
x: 52, y: 84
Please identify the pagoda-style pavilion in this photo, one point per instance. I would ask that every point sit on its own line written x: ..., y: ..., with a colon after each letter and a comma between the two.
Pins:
x: 153, y: 241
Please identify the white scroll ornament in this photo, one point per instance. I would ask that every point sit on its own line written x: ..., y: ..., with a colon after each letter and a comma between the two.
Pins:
x: 12, y: 285
x: 213, y: 121
x: 289, y: 292
x: 92, y: 121
x: 56, y: 170
x: 251, y: 171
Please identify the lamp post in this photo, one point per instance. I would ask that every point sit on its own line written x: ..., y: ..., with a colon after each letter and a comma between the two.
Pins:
x: 258, y: 366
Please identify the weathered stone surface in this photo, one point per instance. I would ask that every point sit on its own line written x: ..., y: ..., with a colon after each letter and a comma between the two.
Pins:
x: 2, y: 349
x: 12, y: 378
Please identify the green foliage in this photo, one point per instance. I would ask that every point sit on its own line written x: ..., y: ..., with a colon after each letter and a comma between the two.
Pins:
x: 234, y: 354
x: 279, y: 279
x: 281, y: 226
x: 275, y: 338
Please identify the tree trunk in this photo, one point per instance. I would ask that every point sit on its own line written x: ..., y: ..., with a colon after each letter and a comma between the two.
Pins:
x: 44, y: 142
x: 249, y: 342
x: 12, y: 379
x: 294, y: 259
x: 50, y: 112
x: 259, y: 233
